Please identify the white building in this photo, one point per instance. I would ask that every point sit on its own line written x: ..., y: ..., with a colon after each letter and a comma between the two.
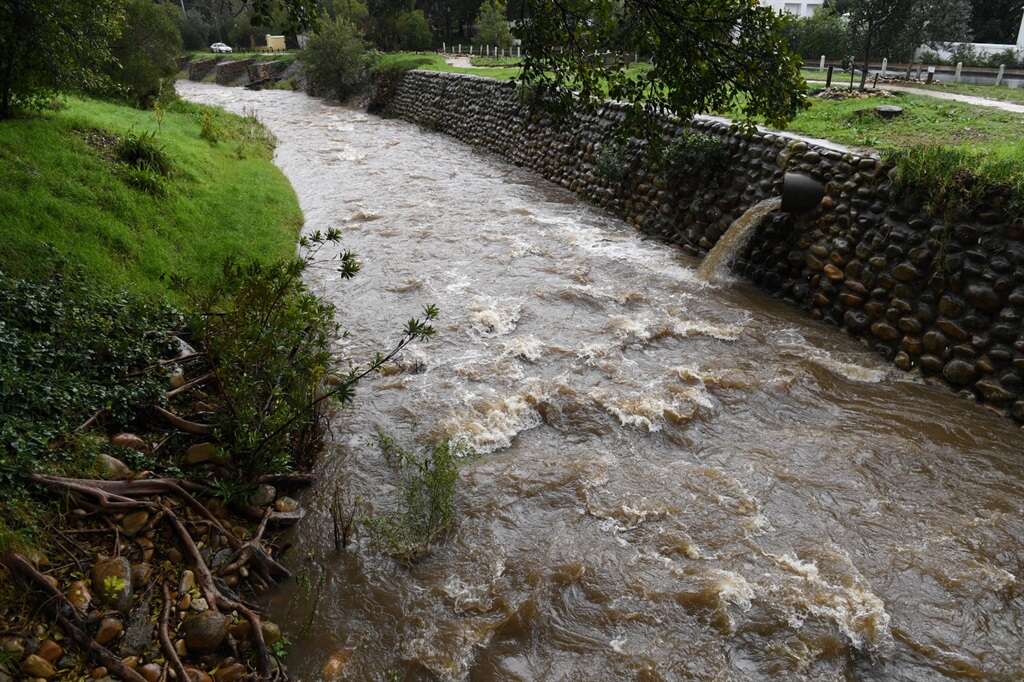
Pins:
x: 800, y: 8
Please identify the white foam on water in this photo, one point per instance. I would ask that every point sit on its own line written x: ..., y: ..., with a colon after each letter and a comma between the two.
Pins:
x: 491, y: 318
x: 648, y: 412
x: 858, y: 612
x: 527, y: 348
x: 493, y: 426
x: 793, y: 343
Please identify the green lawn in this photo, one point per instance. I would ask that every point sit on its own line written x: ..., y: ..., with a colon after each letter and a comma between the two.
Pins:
x: 59, y: 189
x: 287, y: 55
x: 431, y: 61
x: 925, y: 121
x: 1001, y: 93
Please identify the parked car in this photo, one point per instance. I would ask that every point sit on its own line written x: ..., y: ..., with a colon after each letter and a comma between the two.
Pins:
x: 220, y: 47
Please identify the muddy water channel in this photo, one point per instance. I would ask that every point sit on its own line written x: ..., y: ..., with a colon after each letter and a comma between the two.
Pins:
x: 674, y: 481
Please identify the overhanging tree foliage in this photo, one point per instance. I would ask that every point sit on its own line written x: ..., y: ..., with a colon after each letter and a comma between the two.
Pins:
x: 48, y: 46
x: 706, y: 55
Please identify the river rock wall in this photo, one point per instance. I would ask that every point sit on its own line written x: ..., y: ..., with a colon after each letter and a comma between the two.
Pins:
x: 946, y: 298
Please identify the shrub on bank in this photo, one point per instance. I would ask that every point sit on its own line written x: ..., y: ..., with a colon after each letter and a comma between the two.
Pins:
x: 337, y: 60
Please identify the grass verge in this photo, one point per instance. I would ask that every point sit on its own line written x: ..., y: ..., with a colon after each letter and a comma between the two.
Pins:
x: 63, y: 188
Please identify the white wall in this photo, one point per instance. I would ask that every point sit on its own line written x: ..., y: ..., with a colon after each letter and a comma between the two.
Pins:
x: 801, y: 8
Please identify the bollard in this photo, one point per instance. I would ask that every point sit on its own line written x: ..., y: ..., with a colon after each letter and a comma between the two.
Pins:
x: 919, y: 71
x: 443, y: 51
x: 999, y: 76
x: 908, y: 71
x: 931, y: 75
x: 885, y: 66
x: 959, y: 68
x: 821, y: 64
x: 828, y: 78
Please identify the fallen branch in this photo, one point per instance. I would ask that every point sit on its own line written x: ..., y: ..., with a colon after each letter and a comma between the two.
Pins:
x: 190, y: 385
x: 182, y: 423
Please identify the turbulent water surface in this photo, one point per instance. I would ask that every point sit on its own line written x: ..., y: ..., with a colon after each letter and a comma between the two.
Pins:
x: 674, y: 480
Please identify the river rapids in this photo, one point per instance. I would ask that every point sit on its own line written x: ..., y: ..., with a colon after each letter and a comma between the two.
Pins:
x: 674, y: 480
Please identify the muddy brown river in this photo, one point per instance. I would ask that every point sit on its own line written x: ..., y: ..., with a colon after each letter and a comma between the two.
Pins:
x: 674, y: 481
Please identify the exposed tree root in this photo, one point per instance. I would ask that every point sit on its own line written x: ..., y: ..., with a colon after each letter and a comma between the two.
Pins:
x: 182, y: 423
x: 71, y: 624
x: 166, y: 644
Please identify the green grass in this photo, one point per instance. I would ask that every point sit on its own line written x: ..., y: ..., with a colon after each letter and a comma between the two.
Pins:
x: 431, y: 61
x: 1001, y: 93
x: 223, y: 199
x: 925, y: 121
x: 495, y: 61
x: 288, y: 55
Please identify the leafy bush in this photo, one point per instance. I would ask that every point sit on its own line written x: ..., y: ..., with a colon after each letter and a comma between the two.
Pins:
x: 413, y: 30
x: 492, y: 24
x: 269, y: 340
x: 693, y: 152
x: 141, y: 152
x: 146, y: 52
x: 67, y: 350
x: 611, y: 162
x: 824, y: 33
x: 195, y: 30
x: 427, y: 509
x: 40, y: 53
x: 337, y: 61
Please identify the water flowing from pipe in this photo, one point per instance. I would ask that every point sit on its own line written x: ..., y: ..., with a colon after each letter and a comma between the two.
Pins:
x: 719, y: 260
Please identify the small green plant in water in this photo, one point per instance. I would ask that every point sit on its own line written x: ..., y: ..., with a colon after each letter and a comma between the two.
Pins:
x: 427, y: 509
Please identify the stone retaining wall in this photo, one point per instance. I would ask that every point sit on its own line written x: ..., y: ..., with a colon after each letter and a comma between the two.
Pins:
x: 233, y: 72
x: 198, y: 70
x: 945, y: 298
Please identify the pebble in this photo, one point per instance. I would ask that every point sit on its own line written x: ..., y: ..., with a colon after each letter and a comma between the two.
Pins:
x: 200, y: 452
x: 134, y: 522
x: 129, y: 440
x: 230, y: 673
x: 98, y: 673
x: 79, y: 596
x: 113, y: 469
x: 263, y: 496
x: 50, y: 651
x: 197, y: 675
x: 205, y: 631
x: 271, y: 632
x: 109, y: 630
x: 151, y: 671
x: 286, y: 505
x: 36, y: 666
x: 187, y: 582
x: 112, y: 581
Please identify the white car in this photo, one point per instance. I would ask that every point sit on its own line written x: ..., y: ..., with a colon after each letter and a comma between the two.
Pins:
x: 220, y: 47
